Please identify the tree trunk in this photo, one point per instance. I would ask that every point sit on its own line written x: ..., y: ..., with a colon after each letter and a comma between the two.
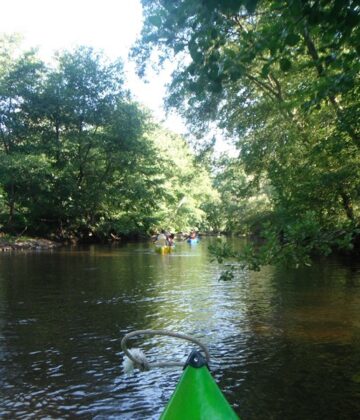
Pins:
x: 348, y: 207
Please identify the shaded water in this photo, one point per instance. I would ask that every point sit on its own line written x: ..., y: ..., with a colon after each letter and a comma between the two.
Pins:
x: 284, y: 344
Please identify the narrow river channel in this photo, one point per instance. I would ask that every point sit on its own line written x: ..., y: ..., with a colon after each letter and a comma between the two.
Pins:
x: 284, y: 344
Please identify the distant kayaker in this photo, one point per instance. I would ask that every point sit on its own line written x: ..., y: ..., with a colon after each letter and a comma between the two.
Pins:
x: 193, y: 238
x: 161, y: 239
x: 192, y: 235
x: 170, y: 239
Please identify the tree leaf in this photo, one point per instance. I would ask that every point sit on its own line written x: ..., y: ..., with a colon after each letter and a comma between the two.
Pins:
x: 292, y: 39
x: 285, y: 64
x: 155, y: 20
x: 265, y: 70
x: 251, y: 5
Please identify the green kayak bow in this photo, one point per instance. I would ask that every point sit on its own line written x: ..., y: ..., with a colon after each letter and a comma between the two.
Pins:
x: 197, y: 395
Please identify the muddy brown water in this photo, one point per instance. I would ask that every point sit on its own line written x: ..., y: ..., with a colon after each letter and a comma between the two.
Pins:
x: 285, y: 344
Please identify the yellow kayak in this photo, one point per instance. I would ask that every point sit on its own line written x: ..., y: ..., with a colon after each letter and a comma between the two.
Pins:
x: 163, y: 249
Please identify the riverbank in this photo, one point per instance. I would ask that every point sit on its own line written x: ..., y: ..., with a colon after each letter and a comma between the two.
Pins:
x: 8, y: 243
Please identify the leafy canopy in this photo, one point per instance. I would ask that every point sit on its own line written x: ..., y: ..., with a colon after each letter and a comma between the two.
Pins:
x: 282, y: 77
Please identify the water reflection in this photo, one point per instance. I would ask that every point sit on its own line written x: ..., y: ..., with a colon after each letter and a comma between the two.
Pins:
x: 285, y: 344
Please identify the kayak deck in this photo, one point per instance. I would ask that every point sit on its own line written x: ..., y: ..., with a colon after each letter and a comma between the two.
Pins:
x: 197, y: 396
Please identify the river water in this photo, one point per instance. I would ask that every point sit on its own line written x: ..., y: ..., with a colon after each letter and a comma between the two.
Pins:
x: 285, y: 344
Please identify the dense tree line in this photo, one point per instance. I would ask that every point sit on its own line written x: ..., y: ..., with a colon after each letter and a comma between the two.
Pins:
x: 282, y: 77
x: 79, y: 158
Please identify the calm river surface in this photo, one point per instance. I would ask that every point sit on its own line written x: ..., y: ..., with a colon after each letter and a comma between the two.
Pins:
x: 284, y: 344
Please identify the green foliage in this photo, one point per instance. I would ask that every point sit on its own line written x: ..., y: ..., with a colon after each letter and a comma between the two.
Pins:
x: 291, y: 245
x: 244, y: 200
x: 78, y: 158
x: 187, y: 184
x: 227, y: 275
x: 282, y: 77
